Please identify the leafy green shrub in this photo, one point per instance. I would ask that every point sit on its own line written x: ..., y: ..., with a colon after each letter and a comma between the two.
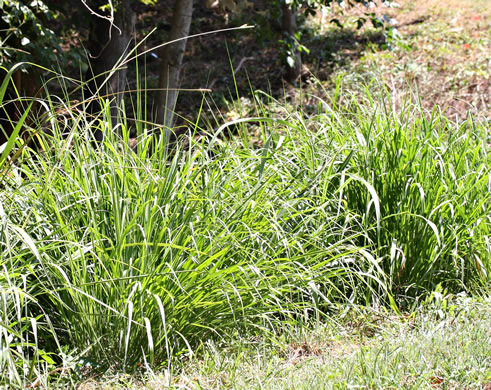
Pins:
x: 24, y: 36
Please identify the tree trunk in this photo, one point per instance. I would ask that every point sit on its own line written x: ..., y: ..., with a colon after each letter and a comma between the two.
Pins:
x: 108, y: 44
x: 171, y: 63
x: 289, y: 25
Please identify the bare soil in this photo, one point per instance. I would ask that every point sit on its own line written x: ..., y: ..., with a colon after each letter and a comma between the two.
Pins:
x: 443, y: 56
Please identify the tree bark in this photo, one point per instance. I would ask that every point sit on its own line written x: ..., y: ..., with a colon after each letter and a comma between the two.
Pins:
x: 108, y: 44
x: 289, y: 25
x: 171, y: 63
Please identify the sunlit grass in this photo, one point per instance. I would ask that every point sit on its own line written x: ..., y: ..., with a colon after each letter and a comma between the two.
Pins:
x: 445, y: 343
x: 114, y: 259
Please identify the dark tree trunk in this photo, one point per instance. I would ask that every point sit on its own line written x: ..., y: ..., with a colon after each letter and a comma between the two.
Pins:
x: 289, y: 25
x: 109, y: 43
x: 170, y: 68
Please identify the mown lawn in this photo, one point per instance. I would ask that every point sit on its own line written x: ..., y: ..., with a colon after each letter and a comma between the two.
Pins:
x: 444, y: 344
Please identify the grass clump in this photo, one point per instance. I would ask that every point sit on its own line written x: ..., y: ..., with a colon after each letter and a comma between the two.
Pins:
x: 115, y: 259
x: 420, y: 185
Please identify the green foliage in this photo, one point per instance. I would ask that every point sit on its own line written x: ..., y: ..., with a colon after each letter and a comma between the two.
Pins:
x: 8, y: 147
x: 24, y: 36
x: 112, y: 258
x: 148, y: 2
x: 431, y: 178
x: 291, y: 45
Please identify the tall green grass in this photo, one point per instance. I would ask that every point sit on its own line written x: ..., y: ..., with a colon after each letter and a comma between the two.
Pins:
x: 421, y: 186
x: 114, y: 259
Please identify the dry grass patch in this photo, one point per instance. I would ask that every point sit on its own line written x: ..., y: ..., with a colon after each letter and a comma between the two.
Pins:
x: 449, y: 58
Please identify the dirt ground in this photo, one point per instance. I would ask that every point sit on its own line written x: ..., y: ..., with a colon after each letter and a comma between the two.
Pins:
x: 443, y: 55
x: 449, y: 60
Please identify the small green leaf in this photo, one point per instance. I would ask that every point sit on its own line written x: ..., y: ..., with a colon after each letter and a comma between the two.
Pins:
x: 360, y: 22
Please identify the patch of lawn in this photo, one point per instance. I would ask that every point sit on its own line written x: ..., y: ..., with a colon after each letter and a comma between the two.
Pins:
x: 444, y: 344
